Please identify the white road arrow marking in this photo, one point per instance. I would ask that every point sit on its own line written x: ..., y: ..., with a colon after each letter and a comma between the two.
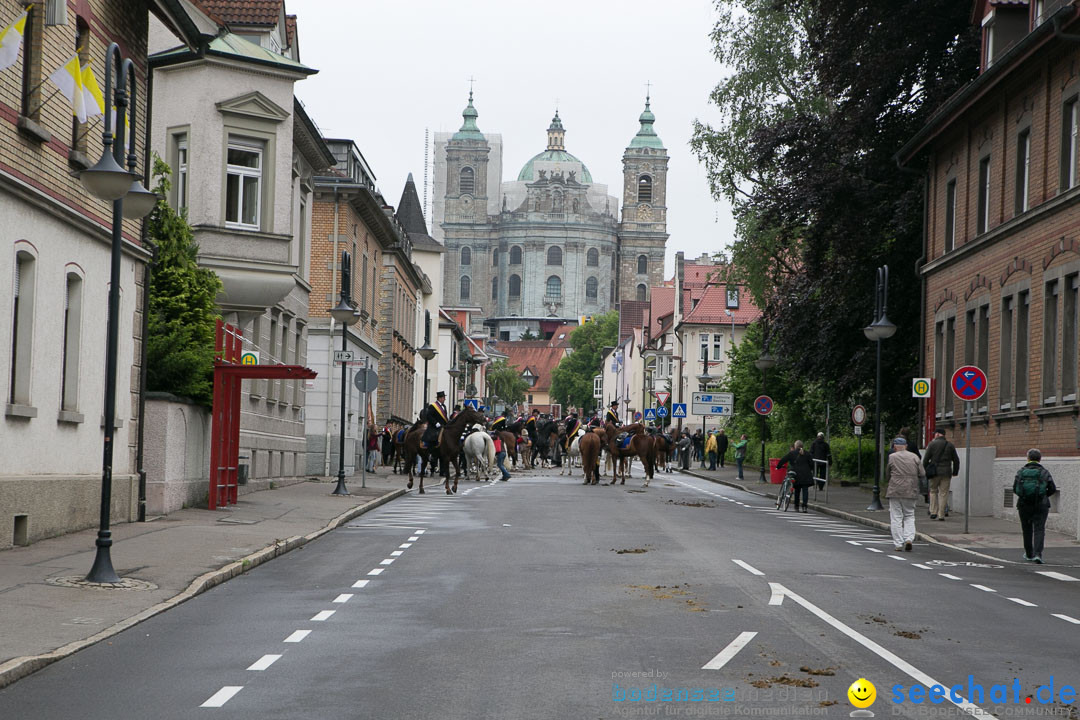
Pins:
x: 777, y: 597
x: 730, y: 651
x: 747, y: 566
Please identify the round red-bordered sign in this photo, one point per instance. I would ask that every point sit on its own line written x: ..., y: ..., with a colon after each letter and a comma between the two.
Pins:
x: 968, y: 383
x: 763, y: 405
x: 858, y: 415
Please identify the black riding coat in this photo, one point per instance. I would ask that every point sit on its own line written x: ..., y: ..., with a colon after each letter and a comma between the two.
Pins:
x: 803, y: 466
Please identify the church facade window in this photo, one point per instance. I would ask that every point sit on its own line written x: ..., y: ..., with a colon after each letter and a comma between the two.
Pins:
x: 590, y: 289
x: 466, y: 256
x: 642, y: 292
x: 495, y: 257
x: 515, y: 255
x: 494, y: 288
x: 515, y: 286
x: 554, y: 287
x: 642, y: 264
x: 466, y: 286
x: 613, y: 262
x: 467, y: 186
x: 592, y: 258
x: 644, y: 189
x: 554, y: 255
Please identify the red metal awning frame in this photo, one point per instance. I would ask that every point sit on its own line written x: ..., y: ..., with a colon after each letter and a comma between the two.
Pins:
x: 225, y: 424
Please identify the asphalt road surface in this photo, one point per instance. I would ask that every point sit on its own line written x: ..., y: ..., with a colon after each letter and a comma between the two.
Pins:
x: 544, y: 598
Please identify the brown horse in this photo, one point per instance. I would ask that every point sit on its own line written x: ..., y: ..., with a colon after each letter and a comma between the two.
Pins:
x: 509, y: 441
x: 640, y: 445
x: 589, y: 445
x: 410, y: 449
x: 449, y: 449
x: 663, y: 446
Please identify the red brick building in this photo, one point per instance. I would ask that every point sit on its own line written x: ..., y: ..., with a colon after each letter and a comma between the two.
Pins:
x: 1001, y: 271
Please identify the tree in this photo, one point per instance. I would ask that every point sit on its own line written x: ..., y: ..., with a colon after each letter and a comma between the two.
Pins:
x: 183, y: 311
x: 572, y: 378
x: 529, y: 335
x: 505, y: 383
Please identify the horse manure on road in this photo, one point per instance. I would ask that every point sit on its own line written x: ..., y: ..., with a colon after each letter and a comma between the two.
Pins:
x: 908, y: 634
x: 693, y: 503
x: 673, y: 592
x: 813, y: 671
x: 784, y: 680
x: 631, y: 551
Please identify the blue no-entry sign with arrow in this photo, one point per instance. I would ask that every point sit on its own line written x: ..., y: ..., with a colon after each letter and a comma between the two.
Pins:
x: 679, y: 410
x: 969, y: 383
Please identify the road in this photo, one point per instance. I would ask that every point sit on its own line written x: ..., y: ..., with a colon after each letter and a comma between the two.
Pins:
x: 544, y: 598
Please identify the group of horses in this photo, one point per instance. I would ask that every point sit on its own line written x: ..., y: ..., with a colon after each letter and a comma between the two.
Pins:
x: 465, y: 436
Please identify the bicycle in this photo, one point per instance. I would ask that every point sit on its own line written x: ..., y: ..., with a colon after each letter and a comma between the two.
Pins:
x: 787, y: 489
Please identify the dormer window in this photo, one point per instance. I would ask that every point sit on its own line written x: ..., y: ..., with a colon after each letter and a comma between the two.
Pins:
x: 1003, y: 26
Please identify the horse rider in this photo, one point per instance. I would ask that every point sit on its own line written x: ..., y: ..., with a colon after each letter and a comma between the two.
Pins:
x: 572, y: 424
x: 530, y: 424
x: 436, y: 417
x: 612, y: 415
x: 499, y: 424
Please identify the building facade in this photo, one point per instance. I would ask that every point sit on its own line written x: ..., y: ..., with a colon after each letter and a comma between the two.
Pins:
x: 1001, y: 271
x: 548, y: 246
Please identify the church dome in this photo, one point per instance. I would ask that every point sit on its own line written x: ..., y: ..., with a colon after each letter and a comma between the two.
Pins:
x: 561, y: 157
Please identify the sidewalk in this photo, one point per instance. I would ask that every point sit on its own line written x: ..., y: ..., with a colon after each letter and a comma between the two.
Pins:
x: 46, y: 615
x: 989, y: 537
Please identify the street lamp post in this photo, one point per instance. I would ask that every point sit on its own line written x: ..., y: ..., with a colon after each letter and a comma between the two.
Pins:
x: 107, y: 180
x: 345, y: 314
x: 704, y: 379
x: 426, y: 351
x: 764, y: 363
x: 880, y: 329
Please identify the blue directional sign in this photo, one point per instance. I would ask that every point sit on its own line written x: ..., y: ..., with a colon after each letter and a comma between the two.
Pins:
x: 679, y: 411
x: 661, y: 412
x: 650, y: 413
x: 473, y: 403
x: 969, y: 383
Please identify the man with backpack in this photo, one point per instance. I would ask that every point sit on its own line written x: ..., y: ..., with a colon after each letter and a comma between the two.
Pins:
x: 1033, y: 487
x: 941, y: 463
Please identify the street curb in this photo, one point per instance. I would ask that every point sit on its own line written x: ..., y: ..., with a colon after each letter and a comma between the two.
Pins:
x: 852, y: 517
x: 20, y: 667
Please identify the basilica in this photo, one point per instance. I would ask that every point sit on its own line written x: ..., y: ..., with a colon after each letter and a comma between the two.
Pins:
x: 551, y: 245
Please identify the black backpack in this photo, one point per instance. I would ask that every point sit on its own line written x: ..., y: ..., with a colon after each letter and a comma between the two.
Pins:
x: 1031, y: 489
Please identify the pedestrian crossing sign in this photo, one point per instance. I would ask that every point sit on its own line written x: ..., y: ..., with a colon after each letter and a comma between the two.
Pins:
x: 650, y: 413
x: 678, y: 410
x: 473, y: 403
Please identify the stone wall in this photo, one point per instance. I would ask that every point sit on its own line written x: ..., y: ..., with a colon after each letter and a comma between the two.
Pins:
x: 177, y: 455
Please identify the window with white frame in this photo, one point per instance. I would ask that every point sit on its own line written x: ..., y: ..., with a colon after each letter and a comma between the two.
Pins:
x: 704, y: 355
x: 1023, y: 169
x: 69, y: 360
x: 982, y: 222
x: 22, y: 328
x: 243, y: 184
x: 717, y: 346
x: 1070, y: 128
x: 181, y: 171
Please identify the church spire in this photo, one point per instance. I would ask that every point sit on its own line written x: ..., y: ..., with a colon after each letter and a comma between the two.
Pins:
x: 646, y: 136
x: 556, y: 134
x: 469, y: 130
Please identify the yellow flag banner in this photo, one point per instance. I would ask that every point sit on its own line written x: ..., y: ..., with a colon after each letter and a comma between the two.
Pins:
x: 68, y: 77
x: 11, y: 40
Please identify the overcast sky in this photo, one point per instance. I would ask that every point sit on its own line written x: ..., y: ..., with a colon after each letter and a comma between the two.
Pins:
x: 390, y: 69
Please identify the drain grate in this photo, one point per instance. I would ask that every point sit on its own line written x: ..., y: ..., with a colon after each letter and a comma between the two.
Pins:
x: 78, y: 581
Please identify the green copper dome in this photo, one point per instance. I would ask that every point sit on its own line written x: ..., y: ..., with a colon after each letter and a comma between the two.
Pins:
x: 469, y: 130
x: 646, y: 136
x: 554, y: 156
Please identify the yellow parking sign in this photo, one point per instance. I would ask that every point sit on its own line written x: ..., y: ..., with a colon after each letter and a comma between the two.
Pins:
x: 920, y: 387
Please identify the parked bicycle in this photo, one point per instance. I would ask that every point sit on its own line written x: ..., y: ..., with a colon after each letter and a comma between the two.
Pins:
x: 787, y: 489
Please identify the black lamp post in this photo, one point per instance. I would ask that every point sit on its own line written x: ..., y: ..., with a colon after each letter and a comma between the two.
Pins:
x: 764, y: 363
x: 880, y: 329
x: 426, y: 351
x: 107, y: 180
x: 704, y: 379
x: 345, y: 314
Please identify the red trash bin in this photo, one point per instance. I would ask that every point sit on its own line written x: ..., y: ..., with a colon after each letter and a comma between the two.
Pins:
x: 776, y: 476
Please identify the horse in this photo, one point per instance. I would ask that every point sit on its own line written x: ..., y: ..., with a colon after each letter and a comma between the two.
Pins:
x: 546, y: 431
x: 509, y: 441
x: 410, y: 448
x: 450, y: 444
x: 590, y: 443
x: 573, y: 452
x: 399, y: 449
x: 663, y: 445
x: 479, y: 451
x: 640, y: 445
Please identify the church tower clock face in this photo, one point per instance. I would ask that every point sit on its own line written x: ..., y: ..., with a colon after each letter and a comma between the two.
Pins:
x: 644, y: 212
x: 466, y: 202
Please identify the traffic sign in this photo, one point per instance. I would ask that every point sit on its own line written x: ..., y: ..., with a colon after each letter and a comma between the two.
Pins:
x: 858, y: 429
x: 249, y: 357
x: 968, y: 383
x: 920, y: 387
x: 344, y: 356
x: 650, y: 413
x: 717, y: 403
x: 678, y: 410
x: 858, y: 415
x: 366, y: 380
x: 473, y: 403
x: 661, y: 412
x: 637, y: 416
x: 763, y: 405
x: 662, y: 397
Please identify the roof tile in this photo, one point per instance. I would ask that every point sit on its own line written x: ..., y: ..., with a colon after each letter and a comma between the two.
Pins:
x: 246, y: 12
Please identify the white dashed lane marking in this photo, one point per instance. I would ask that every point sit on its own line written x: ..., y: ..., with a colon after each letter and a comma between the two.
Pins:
x: 1025, y: 603
x: 222, y: 696
x: 376, y: 571
x: 297, y: 636
x: 950, y: 577
x: 343, y: 598
x: 747, y: 566
x: 730, y: 651
x: 982, y: 587
x: 264, y: 662
x: 360, y: 583
x: 323, y: 615
x: 1066, y: 618
x: 1058, y: 576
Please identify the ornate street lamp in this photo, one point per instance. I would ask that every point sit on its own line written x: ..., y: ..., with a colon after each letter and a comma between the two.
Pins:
x: 345, y: 314
x: 107, y: 180
x: 880, y: 329
x: 704, y: 379
x: 764, y: 363
x: 426, y: 351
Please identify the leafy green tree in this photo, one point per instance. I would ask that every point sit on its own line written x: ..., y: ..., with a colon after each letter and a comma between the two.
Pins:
x: 529, y: 335
x: 183, y: 311
x: 572, y: 379
x: 505, y: 383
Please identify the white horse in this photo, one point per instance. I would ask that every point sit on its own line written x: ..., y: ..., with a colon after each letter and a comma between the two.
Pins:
x: 574, y: 453
x: 479, y: 452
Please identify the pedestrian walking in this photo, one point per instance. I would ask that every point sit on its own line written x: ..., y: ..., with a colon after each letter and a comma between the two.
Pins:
x: 903, y: 473
x: 721, y: 446
x: 387, y: 445
x: 372, y: 449
x: 802, y: 464
x: 821, y: 452
x: 699, y: 447
x: 710, y: 450
x: 500, y: 455
x: 941, y: 463
x: 684, y: 450
x: 740, y: 453
x: 1033, y: 487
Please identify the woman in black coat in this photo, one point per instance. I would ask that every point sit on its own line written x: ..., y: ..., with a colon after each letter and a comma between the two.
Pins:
x: 802, y: 465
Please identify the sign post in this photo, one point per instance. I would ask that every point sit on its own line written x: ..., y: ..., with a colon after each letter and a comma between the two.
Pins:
x: 858, y: 417
x: 968, y: 384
